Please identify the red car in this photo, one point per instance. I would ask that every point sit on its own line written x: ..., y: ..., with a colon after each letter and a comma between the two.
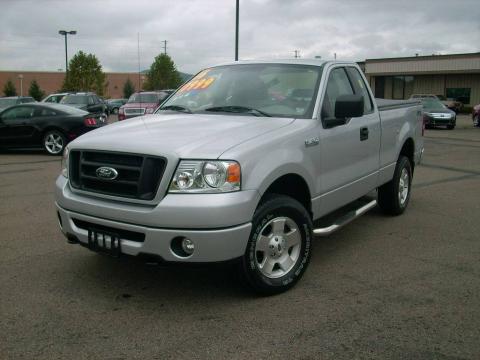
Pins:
x: 141, y: 103
x: 476, y: 115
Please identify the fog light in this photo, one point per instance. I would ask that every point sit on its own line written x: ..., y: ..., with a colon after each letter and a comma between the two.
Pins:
x: 188, y: 246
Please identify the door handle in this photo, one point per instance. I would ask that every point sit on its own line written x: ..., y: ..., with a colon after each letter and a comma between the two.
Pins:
x: 363, y: 133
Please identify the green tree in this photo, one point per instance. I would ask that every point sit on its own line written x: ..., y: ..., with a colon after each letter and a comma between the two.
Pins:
x: 162, y: 74
x: 9, y: 89
x: 35, y: 91
x: 128, y: 88
x: 84, y: 74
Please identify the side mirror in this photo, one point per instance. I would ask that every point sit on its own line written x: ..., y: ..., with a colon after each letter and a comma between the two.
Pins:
x: 348, y: 106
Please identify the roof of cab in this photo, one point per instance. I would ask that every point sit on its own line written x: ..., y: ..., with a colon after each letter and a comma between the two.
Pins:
x: 314, y: 62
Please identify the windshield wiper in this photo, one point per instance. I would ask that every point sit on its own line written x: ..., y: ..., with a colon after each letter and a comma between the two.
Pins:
x: 177, y: 108
x: 238, y: 109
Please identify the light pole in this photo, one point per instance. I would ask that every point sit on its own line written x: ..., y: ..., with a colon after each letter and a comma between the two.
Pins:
x: 66, y: 33
x: 236, y: 29
x: 21, y: 84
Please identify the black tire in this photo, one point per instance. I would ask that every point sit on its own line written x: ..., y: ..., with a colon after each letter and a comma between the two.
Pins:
x: 450, y: 127
x: 277, y: 210
x: 389, y: 199
x: 54, y: 142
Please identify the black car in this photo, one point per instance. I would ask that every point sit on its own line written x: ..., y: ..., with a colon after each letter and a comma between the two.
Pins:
x: 437, y: 114
x: 14, y: 100
x: 86, y: 101
x: 114, y: 105
x: 50, y: 126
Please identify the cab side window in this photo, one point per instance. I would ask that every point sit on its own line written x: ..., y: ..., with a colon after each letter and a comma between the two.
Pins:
x: 337, y: 85
x: 360, y: 89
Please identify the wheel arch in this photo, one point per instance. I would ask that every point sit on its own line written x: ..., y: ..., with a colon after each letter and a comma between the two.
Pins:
x: 408, y: 150
x: 292, y: 185
x: 54, y: 128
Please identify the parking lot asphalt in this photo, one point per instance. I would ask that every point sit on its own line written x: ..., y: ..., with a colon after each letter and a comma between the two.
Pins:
x: 404, y: 287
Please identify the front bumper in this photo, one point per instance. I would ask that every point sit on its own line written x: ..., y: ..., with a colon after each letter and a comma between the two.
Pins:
x: 218, y: 224
x: 210, y: 245
x: 440, y: 121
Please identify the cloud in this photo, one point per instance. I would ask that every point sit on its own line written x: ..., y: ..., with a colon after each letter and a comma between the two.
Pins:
x: 201, y: 33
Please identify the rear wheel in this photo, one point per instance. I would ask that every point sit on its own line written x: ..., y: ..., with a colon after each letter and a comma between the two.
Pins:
x: 393, y: 197
x: 279, y: 246
x: 54, y: 142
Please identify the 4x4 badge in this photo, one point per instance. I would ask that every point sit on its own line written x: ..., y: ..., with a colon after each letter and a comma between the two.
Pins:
x: 312, y: 142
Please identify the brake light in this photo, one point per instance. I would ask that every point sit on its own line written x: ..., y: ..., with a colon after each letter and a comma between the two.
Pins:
x: 121, y: 114
x: 90, y: 122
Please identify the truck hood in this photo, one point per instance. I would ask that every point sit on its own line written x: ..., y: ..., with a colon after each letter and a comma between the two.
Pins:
x: 187, y: 136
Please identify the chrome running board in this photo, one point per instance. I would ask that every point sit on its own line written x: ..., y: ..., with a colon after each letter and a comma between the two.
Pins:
x: 345, y: 219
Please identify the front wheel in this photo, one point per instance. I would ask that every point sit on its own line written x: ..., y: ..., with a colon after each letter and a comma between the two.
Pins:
x: 279, y: 247
x: 393, y: 196
x: 54, y: 142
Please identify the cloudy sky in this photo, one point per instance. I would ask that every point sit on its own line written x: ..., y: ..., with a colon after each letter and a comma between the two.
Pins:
x: 202, y: 32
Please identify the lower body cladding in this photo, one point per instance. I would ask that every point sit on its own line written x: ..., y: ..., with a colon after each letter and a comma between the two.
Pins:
x: 174, y: 245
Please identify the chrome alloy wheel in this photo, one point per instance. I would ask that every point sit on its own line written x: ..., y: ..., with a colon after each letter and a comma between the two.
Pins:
x: 54, y: 143
x: 277, y: 248
x: 403, y: 186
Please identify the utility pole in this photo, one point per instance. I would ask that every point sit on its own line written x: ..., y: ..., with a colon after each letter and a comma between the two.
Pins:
x: 138, y: 57
x: 297, y: 53
x: 165, y: 47
x: 21, y: 84
x: 236, y: 29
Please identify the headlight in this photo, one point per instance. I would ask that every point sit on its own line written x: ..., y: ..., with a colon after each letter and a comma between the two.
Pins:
x: 210, y: 176
x: 149, y: 110
x: 65, y: 162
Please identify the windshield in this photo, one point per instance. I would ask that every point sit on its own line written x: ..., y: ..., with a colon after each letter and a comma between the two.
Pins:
x: 432, y: 104
x: 283, y: 90
x: 7, y: 102
x: 74, y: 99
x: 143, y: 98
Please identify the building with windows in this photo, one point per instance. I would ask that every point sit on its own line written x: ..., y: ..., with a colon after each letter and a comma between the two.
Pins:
x: 454, y: 76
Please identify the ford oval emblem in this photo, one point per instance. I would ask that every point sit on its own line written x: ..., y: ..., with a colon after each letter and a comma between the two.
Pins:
x: 106, y: 173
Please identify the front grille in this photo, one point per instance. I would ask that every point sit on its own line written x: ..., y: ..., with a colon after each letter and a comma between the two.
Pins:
x: 134, y: 111
x: 123, y: 234
x: 138, y: 175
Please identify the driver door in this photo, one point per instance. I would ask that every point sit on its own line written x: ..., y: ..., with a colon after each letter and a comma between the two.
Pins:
x: 349, y: 151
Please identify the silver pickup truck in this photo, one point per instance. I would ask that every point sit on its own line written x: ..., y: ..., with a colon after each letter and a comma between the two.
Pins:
x: 238, y: 164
